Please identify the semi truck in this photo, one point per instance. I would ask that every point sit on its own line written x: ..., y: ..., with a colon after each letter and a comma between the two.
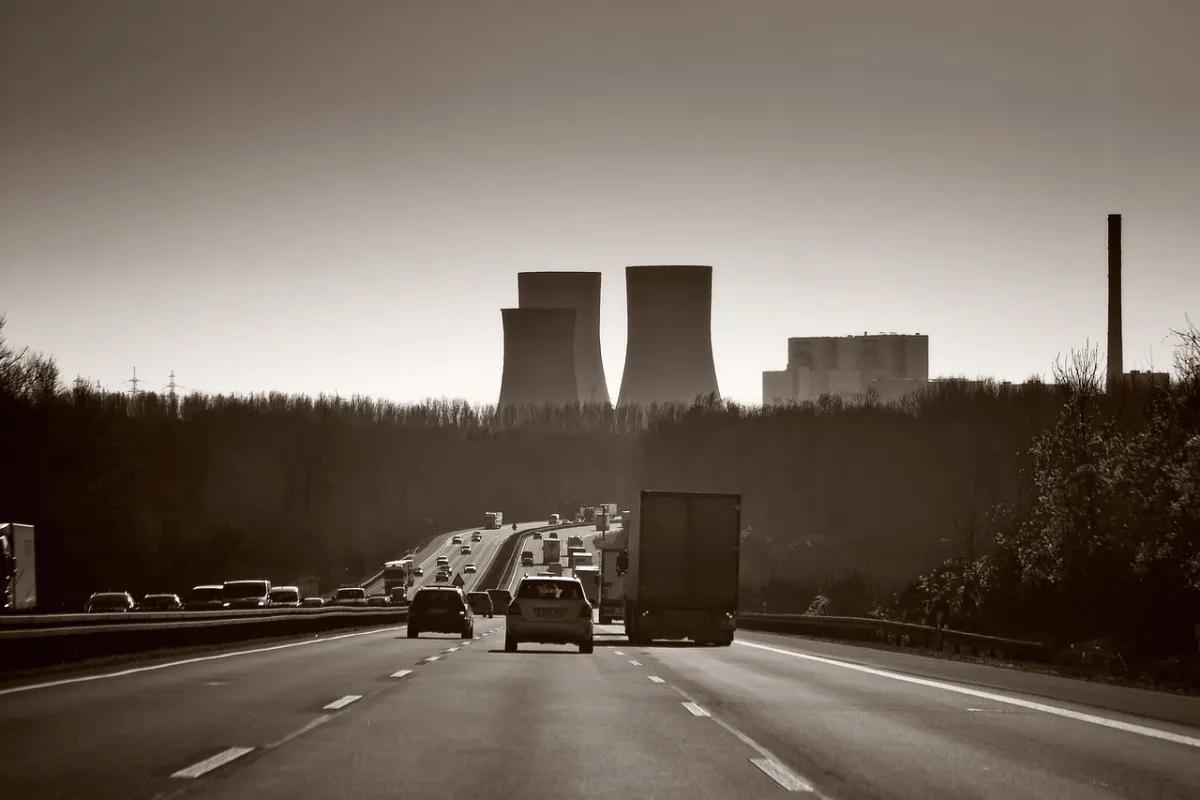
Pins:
x: 492, y: 520
x: 681, y: 567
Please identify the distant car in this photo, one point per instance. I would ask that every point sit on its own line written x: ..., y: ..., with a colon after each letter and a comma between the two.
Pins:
x: 350, y: 596
x: 465, y: 550
x: 206, y: 598
x: 443, y: 561
x: 285, y: 596
x: 110, y: 603
x: 379, y: 600
x: 476, y: 537
x: 552, y: 535
x: 481, y: 604
x: 469, y: 569
x: 537, y: 535
x: 549, y: 610
x: 313, y: 602
x: 246, y: 594
x: 440, y: 609
x: 161, y: 602
x: 456, y: 540
x: 442, y: 577
x: 418, y: 571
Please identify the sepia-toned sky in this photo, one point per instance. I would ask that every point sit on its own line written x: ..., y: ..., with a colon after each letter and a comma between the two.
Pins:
x: 337, y: 196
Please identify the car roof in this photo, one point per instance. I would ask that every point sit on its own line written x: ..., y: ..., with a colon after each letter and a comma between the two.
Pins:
x: 562, y: 578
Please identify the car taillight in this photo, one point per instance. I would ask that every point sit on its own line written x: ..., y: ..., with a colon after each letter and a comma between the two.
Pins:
x: 514, y: 609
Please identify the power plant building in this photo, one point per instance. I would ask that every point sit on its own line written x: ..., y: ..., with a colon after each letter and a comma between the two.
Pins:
x: 539, y: 357
x: 668, y: 354
x: 579, y: 291
x: 891, y: 364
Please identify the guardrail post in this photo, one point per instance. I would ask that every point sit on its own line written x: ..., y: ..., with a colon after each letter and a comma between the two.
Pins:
x: 936, y: 643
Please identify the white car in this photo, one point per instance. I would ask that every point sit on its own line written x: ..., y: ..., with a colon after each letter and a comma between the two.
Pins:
x: 469, y: 568
x: 549, y: 610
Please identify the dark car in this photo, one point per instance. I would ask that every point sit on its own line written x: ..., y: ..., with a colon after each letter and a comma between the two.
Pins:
x: 161, y: 602
x: 440, y: 609
x: 110, y: 603
x: 481, y: 604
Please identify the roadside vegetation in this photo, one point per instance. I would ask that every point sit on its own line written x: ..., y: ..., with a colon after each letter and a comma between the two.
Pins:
x: 1052, y: 511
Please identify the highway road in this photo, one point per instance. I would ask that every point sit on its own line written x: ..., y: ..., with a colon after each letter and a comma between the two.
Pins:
x: 376, y: 714
x: 590, y: 538
x: 481, y: 555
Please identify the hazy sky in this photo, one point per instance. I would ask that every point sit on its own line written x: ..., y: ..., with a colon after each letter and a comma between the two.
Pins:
x: 319, y: 196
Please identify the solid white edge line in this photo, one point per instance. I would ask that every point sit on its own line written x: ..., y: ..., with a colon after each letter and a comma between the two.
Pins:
x: 655, y: 679
x: 402, y: 673
x: 1079, y: 716
x: 209, y: 764
x: 696, y: 709
x: 781, y: 775
x: 342, y: 702
x: 197, y: 660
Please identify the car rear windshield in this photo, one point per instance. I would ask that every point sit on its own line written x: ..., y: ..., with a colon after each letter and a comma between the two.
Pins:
x: 207, y: 593
x: 350, y: 594
x: 110, y: 599
x: 285, y: 596
x: 549, y: 590
x: 438, y: 599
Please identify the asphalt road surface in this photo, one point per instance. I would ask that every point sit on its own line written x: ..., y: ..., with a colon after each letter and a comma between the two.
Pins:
x: 374, y: 714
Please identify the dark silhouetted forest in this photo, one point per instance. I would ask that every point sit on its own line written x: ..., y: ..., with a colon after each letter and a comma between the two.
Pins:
x: 1056, y: 511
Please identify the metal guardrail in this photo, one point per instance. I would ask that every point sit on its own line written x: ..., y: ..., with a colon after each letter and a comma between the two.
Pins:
x: 866, y: 629
x: 34, y: 648
x: 14, y: 626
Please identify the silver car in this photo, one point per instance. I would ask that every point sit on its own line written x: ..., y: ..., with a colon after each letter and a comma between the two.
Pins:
x: 549, y: 610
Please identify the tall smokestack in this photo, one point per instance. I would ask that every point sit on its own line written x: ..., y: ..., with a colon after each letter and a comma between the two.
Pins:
x: 1116, y: 364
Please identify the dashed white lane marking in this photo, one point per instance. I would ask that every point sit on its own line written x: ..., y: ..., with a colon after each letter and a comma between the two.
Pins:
x: 197, y: 660
x: 433, y: 658
x: 781, y: 775
x: 480, y: 636
x: 321, y: 720
x: 402, y: 673
x: 617, y: 653
x: 635, y: 663
x: 452, y: 650
x: 696, y: 709
x: 765, y: 755
x: 1128, y: 727
x: 209, y: 764
x: 342, y: 702
x: 655, y: 679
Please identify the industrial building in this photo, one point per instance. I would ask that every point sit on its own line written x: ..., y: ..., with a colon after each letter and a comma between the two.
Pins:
x: 579, y: 291
x: 539, y: 357
x: 891, y: 364
x: 668, y: 354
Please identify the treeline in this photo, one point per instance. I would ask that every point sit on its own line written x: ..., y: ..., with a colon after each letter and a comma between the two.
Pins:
x: 844, y: 502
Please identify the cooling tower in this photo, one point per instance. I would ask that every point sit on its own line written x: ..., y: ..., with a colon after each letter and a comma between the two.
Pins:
x: 539, y: 357
x: 1116, y: 344
x: 580, y: 291
x: 668, y: 355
